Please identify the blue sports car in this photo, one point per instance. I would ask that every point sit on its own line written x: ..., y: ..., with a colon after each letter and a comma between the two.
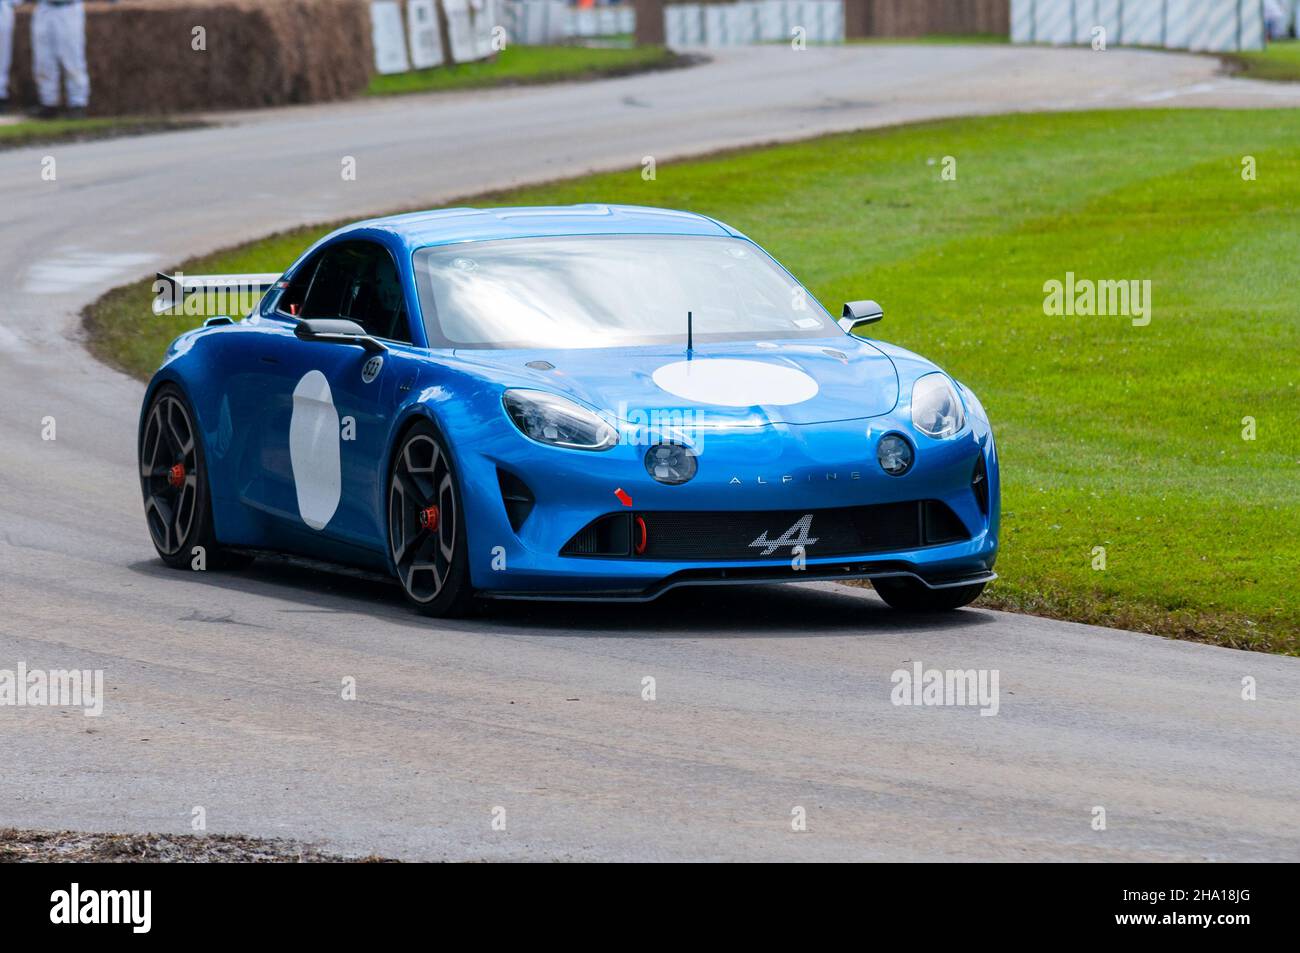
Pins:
x: 589, y: 402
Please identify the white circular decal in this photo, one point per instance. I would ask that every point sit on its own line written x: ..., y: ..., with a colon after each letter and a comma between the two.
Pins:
x: 733, y: 383
x: 371, y: 369
x: 314, y: 450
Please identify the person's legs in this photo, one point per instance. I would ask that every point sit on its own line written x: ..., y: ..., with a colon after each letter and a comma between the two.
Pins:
x: 70, y: 37
x: 45, y: 62
x: 6, y: 46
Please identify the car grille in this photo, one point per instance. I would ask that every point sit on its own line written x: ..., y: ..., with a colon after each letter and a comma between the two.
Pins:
x: 773, y: 534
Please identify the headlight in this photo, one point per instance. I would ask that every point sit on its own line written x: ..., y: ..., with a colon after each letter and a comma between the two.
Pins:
x: 936, y: 408
x: 670, y: 463
x: 894, y: 454
x: 973, y: 402
x: 551, y: 419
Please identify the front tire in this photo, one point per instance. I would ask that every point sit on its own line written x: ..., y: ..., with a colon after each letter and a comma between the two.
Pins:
x: 174, y: 481
x: 426, y: 528
x: 911, y: 595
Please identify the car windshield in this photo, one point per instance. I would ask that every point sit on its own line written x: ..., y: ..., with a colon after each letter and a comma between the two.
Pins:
x: 609, y: 291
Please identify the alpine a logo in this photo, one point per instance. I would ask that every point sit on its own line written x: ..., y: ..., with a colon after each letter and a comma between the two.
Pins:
x: 796, y: 535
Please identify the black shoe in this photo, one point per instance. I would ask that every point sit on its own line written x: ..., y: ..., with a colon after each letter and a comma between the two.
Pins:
x: 76, y: 112
x: 47, y: 112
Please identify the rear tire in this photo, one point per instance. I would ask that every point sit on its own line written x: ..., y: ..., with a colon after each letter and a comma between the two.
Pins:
x: 911, y: 595
x: 426, y: 526
x: 174, y: 482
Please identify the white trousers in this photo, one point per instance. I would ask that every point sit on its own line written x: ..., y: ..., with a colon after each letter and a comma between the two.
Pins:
x: 59, y: 43
x: 6, y: 45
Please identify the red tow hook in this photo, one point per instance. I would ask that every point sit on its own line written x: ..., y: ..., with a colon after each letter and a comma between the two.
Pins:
x: 429, y: 518
x: 176, y: 475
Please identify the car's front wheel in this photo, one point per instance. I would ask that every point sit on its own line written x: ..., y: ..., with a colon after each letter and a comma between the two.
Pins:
x: 174, y: 480
x: 426, y: 526
x: 912, y: 595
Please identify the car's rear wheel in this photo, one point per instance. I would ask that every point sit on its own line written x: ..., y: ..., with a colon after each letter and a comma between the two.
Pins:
x: 912, y: 595
x: 426, y: 528
x: 174, y: 481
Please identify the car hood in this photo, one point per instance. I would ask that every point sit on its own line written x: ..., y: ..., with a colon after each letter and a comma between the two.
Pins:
x: 744, y: 383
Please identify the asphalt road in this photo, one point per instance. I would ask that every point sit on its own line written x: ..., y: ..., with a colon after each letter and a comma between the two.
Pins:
x: 223, y: 690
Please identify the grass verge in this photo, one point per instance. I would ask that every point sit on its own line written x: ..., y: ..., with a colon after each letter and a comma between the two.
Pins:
x: 1114, y: 435
x: 39, y: 132
x: 522, y: 65
x: 1280, y: 62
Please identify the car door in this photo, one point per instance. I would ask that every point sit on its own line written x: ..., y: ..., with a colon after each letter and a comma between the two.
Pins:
x: 326, y: 421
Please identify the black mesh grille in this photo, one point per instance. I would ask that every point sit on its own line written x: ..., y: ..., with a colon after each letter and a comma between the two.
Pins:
x: 773, y: 535
x: 608, y: 536
x: 942, y: 524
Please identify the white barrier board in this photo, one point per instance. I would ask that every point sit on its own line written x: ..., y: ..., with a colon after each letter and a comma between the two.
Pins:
x: 1022, y: 21
x: 1094, y: 19
x: 772, y: 21
x: 1143, y: 24
x: 388, y: 37
x: 486, y: 19
x: 424, y: 33
x: 1252, y: 26
x: 1217, y: 26
x: 684, y: 25
x: 460, y: 31
x: 1054, y: 21
x: 753, y: 21
x: 536, y: 22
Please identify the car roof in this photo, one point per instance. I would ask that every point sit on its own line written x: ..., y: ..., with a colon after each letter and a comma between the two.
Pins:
x: 445, y: 226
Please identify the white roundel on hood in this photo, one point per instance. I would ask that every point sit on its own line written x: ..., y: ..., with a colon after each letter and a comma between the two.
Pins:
x: 735, y: 383
x: 314, y: 450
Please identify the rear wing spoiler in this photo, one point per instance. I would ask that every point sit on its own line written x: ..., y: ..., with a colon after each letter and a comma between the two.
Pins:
x: 180, y: 293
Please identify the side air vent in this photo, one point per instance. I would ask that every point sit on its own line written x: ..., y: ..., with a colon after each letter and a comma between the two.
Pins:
x: 516, y: 496
x: 979, y: 484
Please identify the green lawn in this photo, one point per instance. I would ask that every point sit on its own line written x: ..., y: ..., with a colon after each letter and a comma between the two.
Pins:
x: 1281, y: 61
x: 517, y: 65
x: 30, y: 132
x: 1111, y: 435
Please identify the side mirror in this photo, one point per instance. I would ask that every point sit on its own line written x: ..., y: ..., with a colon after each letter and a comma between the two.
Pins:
x: 337, y: 331
x: 859, y: 313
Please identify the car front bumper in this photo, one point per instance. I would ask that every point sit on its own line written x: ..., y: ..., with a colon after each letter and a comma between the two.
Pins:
x: 775, y: 470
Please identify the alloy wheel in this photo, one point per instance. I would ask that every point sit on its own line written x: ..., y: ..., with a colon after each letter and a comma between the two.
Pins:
x: 422, y: 517
x: 169, y: 474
